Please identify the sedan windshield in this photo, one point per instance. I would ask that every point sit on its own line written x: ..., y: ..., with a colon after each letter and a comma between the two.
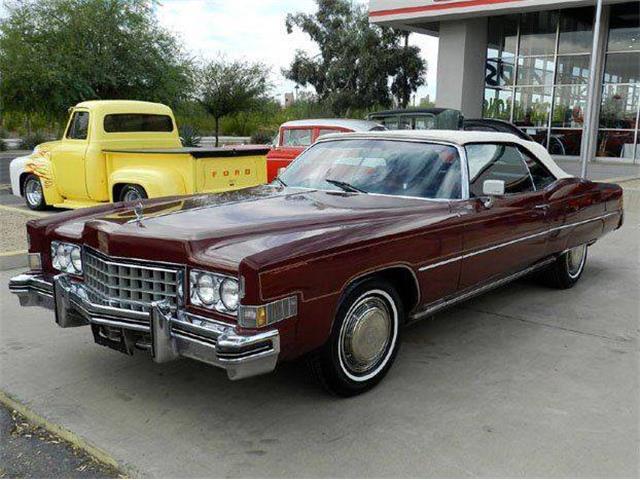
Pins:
x: 389, y: 167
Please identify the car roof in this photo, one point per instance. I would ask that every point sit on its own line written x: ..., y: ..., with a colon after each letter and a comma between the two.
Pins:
x: 458, y: 137
x: 455, y: 137
x: 350, y: 123
x: 124, y: 106
x: 410, y: 111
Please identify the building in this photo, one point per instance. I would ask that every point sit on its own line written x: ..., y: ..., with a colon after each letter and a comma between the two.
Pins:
x: 529, y: 62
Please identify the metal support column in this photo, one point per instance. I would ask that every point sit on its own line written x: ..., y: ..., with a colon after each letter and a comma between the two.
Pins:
x: 590, y: 131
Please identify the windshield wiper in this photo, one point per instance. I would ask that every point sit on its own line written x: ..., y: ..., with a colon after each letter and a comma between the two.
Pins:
x: 280, y: 181
x: 347, y: 187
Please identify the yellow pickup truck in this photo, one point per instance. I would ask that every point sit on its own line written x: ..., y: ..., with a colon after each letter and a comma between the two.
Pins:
x: 117, y: 150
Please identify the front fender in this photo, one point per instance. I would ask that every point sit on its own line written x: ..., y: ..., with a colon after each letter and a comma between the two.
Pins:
x: 157, y: 183
x: 38, y: 163
x: 17, y: 167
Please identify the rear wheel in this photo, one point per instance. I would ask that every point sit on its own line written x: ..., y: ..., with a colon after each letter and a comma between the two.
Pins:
x: 567, y: 269
x: 33, y: 193
x: 364, y: 341
x: 131, y: 193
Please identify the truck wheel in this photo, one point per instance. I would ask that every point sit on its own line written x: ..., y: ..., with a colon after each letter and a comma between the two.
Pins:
x: 131, y: 193
x: 33, y: 194
x: 364, y: 340
x: 567, y: 269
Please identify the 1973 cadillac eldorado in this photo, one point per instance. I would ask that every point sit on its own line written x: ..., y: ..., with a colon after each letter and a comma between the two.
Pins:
x: 362, y: 234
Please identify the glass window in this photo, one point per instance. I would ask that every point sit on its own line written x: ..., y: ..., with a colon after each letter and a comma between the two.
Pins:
x: 503, y: 36
x: 616, y: 143
x: 569, y: 106
x: 540, y: 175
x: 497, y: 104
x: 536, y: 70
x: 137, y: 122
x: 499, y: 72
x: 576, y: 30
x: 380, y: 166
x: 538, y: 33
x: 532, y: 106
x: 497, y: 162
x: 565, y: 142
x: 79, y: 126
x: 622, y: 68
x: 624, y: 27
x: 619, y: 107
x: 297, y: 137
x: 573, y: 69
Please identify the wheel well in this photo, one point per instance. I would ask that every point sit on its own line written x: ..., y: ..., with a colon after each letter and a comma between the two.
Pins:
x: 405, y: 281
x: 117, y: 189
x: 23, y: 177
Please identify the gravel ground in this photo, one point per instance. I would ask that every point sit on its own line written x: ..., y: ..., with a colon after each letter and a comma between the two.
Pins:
x: 27, y: 451
x: 13, y: 234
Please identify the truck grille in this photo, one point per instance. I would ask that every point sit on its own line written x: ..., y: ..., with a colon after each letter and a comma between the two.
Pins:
x: 130, y: 286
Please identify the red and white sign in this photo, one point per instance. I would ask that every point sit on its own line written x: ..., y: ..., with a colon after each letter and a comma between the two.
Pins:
x: 429, y: 10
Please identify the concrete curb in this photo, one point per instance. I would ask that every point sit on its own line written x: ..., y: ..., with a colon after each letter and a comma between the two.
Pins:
x: 75, y: 440
x: 11, y: 260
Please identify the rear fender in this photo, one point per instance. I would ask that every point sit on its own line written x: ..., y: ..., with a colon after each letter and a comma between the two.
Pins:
x: 157, y: 183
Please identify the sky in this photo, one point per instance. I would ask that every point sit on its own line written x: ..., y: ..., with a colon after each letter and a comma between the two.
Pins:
x: 255, y: 30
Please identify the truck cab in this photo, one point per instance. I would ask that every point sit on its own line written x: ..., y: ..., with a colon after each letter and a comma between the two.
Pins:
x: 121, y: 150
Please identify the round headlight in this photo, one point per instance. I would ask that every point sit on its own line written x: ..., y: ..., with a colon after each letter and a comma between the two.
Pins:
x: 76, y: 259
x: 62, y: 257
x: 229, y: 294
x: 205, y: 288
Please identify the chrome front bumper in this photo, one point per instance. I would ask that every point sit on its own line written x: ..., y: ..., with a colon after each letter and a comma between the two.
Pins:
x: 171, y: 333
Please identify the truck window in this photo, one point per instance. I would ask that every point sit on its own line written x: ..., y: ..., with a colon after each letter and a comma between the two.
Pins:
x: 296, y: 137
x: 79, y: 126
x: 137, y: 122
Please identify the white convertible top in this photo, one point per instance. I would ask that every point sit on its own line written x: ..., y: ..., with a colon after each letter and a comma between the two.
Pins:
x: 461, y: 138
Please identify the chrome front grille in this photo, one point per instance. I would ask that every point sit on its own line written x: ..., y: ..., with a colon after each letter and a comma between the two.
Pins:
x: 130, y: 286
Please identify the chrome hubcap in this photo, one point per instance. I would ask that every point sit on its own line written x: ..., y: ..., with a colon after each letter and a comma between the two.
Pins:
x: 131, y: 196
x: 575, y: 260
x: 366, y: 334
x: 33, y: 191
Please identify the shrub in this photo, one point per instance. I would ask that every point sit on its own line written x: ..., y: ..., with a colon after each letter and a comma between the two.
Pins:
x: 32, y: 139
x: 263, y: 136
x: 190, y: 136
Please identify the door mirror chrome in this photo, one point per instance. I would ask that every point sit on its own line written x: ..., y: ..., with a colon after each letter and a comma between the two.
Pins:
x: 493, y: 188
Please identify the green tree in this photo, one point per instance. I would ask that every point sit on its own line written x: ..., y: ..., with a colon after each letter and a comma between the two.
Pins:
x: 360, y: 66
x: 56, y: 53
x: 226, y: 87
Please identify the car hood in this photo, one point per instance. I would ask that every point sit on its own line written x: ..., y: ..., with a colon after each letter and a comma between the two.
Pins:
x: 263, y: 225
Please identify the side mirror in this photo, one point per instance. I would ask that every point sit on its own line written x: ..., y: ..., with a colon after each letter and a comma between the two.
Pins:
x: 493, y: 188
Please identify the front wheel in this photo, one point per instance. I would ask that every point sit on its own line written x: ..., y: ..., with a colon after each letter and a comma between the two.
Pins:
x: 567, y: 269
x: 33, y: 193
x: 131, y: 193
x: 364, y: 340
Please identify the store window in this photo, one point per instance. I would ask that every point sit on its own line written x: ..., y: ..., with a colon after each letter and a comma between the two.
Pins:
x: 620, y: 107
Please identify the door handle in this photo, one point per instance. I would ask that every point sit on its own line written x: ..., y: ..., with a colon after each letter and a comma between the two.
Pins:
x: 542, y: 208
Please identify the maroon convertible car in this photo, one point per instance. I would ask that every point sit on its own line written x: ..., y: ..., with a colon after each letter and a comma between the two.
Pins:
x: 362, y: 234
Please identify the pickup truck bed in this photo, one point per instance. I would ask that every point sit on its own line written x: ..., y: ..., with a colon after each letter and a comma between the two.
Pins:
x: 196, y: 152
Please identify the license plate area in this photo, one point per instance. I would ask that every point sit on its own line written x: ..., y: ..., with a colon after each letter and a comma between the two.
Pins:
x: 114, y: 337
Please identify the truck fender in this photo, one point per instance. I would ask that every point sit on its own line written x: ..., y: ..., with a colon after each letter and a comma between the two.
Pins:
x: 38, y: 163
x: 157, y: 183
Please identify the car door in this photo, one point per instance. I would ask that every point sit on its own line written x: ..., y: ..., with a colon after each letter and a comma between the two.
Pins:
x: 503, y: 234
x: 68, y: 158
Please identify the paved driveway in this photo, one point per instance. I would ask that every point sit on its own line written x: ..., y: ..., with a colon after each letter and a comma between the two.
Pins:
x: 524, y: 381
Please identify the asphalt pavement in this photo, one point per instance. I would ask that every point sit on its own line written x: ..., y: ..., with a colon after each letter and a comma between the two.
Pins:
x: 525, y: 381
x: 29, y: 451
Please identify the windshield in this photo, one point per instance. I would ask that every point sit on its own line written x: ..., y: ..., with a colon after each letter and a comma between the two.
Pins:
x: 388, y: 167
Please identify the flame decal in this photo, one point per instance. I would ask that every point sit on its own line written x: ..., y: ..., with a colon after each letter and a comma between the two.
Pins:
x: 39, y: 165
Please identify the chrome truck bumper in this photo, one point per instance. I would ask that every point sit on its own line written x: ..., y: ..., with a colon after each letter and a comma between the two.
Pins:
x: 166, y: 332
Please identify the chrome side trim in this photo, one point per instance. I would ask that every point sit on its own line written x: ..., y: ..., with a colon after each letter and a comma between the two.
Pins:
x: 449, y: 302
x: 511, y: 242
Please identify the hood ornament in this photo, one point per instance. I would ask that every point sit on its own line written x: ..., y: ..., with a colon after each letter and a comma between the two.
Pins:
x: 138, y: 210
